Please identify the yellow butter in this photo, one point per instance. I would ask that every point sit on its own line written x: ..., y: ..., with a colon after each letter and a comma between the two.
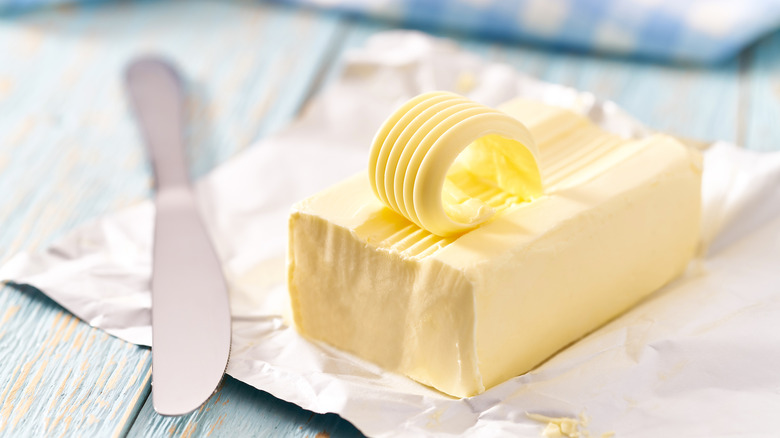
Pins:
x: 618, y: 219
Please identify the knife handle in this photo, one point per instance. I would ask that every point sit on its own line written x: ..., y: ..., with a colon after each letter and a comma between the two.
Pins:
x: 158, y: 99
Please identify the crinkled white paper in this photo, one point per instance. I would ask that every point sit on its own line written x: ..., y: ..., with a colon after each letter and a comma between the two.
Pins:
x: 700, y: 357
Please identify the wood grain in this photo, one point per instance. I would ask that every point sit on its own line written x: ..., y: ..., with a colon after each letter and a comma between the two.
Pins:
x: 761, y: 103
x: 61, y: 377
x: 69, y: 151
x: 238, y: 410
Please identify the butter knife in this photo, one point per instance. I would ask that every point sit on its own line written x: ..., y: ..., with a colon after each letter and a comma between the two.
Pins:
x: 190, y: 309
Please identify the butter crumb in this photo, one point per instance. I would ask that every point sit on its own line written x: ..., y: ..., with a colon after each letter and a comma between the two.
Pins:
x: 565, y: 427
x: 552, y: 430
x: 558, y: 427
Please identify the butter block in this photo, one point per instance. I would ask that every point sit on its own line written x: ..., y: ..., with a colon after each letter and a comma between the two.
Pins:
x: 618, y: 219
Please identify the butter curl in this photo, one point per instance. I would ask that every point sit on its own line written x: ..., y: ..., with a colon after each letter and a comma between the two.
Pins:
x: 414, y: 152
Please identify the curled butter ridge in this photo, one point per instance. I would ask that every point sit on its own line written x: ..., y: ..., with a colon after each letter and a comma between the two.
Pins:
x: 417, y: 145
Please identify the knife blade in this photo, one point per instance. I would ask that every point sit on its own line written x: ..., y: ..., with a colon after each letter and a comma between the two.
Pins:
x: 191, y: 330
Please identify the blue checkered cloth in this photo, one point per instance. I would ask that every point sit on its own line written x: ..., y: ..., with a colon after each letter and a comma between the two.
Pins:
x: 701, y: 31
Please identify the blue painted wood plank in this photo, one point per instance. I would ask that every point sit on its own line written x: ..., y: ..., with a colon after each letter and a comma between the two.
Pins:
x: 761, y: 126
x: 238, y: 410
x: 69, y: 151
x: 61, y: 377
x: 72, y: 127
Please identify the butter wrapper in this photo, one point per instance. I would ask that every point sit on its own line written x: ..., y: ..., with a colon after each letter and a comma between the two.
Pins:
x: 698, y: 358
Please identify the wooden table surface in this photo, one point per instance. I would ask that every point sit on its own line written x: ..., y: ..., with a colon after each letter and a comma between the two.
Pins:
x: 69, y: 152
